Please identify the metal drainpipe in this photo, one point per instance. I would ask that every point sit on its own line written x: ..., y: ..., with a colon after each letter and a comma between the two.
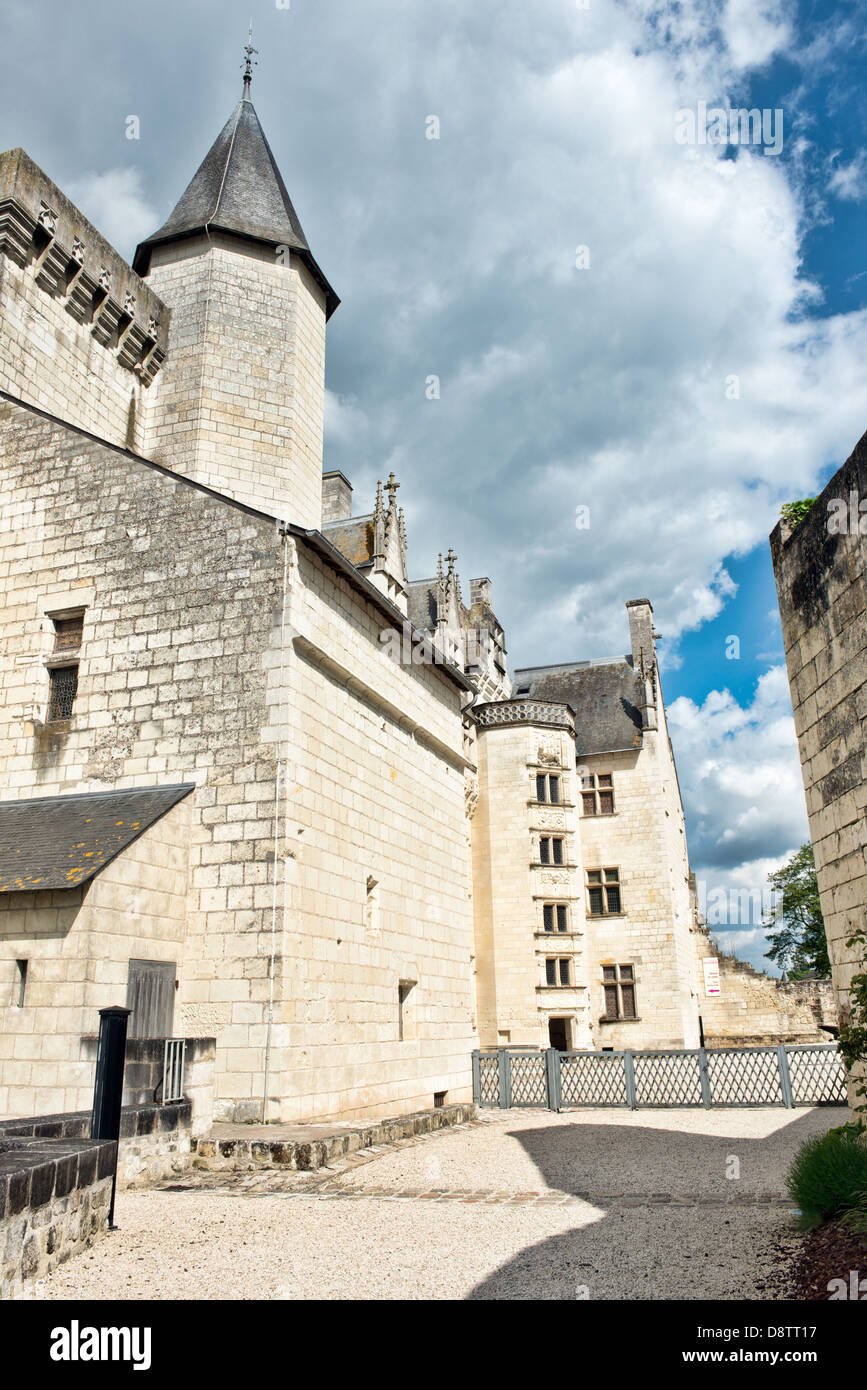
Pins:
x: 271, y: 964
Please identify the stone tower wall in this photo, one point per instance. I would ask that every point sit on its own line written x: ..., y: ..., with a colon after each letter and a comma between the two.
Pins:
x: 240, y: 403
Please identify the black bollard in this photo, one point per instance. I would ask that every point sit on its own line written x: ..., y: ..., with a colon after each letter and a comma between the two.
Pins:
x: 108, y: 1086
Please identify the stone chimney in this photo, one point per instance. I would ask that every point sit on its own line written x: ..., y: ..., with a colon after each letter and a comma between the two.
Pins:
x: 336, y: 497
x: 480, y: 591
x: 640, y: 613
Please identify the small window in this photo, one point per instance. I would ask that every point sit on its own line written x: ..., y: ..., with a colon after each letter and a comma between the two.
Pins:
x: 557, y: 971
x: 63, y: 675
x: 548, y: 788
x: 19, y: 986
x: 439, y: 1099
x: 597, y: 794
x: 67, y: 633
x: 404, y: 1016
x: 603, y: 892
x: 62, y: 690
x: 618, y: 990
x: 551, y: 850
x: 555, y: 917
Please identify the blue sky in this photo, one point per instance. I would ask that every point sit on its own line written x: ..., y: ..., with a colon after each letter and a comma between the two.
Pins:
x: 584, y: 286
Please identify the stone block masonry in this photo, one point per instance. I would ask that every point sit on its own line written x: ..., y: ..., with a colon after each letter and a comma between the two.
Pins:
x: 822, y: 589
x: 154, y: 1139
x: 83, y: 335
x: 54, y: 1201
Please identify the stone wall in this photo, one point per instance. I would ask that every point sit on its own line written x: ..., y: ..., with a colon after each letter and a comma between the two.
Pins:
x: 82, y: 335
x: 54, y: 1202
x: 214, y: 650
x: 155, y: 1140
x: 822, y: 591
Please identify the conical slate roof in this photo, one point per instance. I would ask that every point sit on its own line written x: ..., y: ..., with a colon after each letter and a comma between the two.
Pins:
x: 237, y: 188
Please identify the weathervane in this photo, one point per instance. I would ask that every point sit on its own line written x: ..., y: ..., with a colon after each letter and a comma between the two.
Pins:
x: 249, y: 50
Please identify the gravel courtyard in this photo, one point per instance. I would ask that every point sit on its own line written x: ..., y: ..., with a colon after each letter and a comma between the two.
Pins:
x: 598, y: 1204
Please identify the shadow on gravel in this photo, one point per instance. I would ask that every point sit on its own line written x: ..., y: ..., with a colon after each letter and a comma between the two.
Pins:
x: 658, y: 1247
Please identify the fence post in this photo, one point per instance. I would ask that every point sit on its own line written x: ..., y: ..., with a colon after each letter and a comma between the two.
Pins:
x: 552, y: 1073
x: 785, y: 1078
x: 477, y: 1079
x: 629, y: 1067
x: 505, y: 1087
x: 704, y: 1078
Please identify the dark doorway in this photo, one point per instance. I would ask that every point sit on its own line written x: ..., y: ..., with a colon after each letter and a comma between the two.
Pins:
x: 150, y: 994
x: 558, y: 1033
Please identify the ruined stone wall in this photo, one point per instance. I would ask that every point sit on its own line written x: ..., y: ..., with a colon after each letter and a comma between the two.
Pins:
x: 822, y: 591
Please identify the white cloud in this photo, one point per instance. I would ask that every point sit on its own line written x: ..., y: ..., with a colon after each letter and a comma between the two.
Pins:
x: 741, y: 782
x: 849, y: 181
x: 756, y: 30
x: 115, y: 203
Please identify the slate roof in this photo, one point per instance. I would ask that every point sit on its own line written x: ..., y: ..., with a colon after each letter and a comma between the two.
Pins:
x: 238, y: 188
x: 605, y: 695
x: 352, y: 537
x: 421, y: 604
x: 55, y: 842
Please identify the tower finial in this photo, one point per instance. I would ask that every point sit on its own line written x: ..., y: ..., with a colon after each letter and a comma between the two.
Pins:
x: 249, y: 50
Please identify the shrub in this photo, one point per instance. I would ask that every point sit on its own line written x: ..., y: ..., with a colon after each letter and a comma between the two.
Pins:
x: 829, y: 1175
x: 794, y: 512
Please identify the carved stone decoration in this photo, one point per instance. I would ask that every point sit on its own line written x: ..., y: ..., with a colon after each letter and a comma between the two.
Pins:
x: 129, y: 304
x: 47, y: 219
x: 153, y: 327
x: 550, y: 819
x: 556, y: 880
x: 471, y: 794
x: 79, y: 250
x: 105, y: 279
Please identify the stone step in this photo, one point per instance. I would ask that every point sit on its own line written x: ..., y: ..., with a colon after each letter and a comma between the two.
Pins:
x: 220, y: 1151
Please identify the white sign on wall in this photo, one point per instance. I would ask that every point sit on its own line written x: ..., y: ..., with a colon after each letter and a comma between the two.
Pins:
x: 711, y: 977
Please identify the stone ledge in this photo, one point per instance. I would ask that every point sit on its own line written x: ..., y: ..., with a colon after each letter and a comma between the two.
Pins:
x: 220, y: 1151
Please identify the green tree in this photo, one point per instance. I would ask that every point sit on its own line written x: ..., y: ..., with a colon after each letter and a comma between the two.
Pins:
x: 798, y: 944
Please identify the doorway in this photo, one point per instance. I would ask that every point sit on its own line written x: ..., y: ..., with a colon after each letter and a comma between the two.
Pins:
x: 558, y: 1034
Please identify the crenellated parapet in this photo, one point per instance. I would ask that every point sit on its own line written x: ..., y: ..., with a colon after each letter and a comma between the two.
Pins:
x: 41, y: 230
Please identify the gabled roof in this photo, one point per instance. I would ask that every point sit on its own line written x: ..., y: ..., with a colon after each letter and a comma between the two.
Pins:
x: 238, y: 189
x: 605, y: 695
x: 55, y: 842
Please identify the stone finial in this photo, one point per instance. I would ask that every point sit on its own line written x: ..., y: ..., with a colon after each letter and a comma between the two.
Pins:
x: 391, y: 488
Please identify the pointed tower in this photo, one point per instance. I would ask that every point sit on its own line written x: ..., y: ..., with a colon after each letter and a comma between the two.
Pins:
x: 240, y: 402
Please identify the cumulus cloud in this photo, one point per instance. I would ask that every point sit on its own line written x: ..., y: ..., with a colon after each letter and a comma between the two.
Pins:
x: 740, y: 775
